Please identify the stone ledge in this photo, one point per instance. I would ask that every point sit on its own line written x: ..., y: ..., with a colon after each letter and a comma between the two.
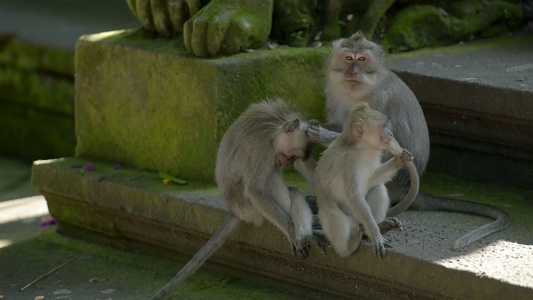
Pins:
x: 477, y: 99
x: 133, y: 206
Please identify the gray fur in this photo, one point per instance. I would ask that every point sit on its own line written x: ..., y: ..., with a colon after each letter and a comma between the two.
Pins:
x: 350, y: 189
x: 252, y: 185
x: 387, y: 93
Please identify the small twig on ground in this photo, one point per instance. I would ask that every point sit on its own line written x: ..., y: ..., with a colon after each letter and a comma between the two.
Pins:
x: 46, y: 274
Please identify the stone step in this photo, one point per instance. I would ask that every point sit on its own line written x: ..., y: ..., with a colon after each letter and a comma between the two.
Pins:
x: 129, y: 207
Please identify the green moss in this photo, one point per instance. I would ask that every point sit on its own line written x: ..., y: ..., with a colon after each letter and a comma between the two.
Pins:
x: 37, y: 89
x: 33, y: 134
x: 28, y: 56
x: 424, y: 26
x: 162, y: 109
x: 420, y: 26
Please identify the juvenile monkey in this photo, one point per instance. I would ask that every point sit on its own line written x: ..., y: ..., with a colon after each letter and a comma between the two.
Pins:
x: 355, y: 73
x: 267, y: 137
x: 350, y: 177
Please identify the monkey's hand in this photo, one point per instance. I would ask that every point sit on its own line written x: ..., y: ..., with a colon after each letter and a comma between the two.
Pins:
x: 164, y: 16
x: 320, y: 135
x: 225, y: 27
x: 379, y: 245
x: 404, y: 157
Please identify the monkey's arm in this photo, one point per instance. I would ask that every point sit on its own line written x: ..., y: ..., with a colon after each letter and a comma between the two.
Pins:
x: 361, y: 211
x: 320, y: 135
x: 363, y: 214
x: 384, y: 173
x: 307, y: 169
x: 387, y: 170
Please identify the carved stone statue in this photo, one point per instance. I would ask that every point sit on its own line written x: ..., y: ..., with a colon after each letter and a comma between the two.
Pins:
x: 225, y: 27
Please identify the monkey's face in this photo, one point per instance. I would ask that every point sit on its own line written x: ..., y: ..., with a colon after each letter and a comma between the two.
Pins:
x: 377, y: 135
x: 292, y: 145
x: 355, y: 65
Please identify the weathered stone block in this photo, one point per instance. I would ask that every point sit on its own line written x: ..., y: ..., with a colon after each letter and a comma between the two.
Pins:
x: 152, y: 106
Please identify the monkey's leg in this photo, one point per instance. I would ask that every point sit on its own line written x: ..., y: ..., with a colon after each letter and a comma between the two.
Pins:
x: 378, y: 201
x: 213, y: 244
x: 338, y: 228
x: 356, y: 235
x: 274, y: 202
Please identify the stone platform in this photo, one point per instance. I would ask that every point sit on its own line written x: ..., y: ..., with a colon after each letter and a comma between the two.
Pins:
x: 133, y: 209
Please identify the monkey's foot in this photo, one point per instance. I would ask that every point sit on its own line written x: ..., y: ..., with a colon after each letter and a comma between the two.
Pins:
x: 300, y: 248
x: 356, y: 236
x: 319, y: 239
x: 389, y: 224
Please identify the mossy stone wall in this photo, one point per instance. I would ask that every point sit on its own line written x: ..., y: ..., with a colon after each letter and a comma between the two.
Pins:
x: 36, y: 100
x: 148, y: 104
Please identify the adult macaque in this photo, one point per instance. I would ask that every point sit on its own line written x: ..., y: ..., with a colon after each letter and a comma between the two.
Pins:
x: 355, y: 73
x: 349, y: 182
x: 267, y: 137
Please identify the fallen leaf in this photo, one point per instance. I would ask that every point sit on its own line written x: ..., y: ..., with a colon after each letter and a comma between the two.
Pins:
x: 171, y: 178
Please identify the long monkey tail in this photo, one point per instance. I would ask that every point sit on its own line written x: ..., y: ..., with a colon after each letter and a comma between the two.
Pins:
x: 501, y: 218
x: 411, y: 195
x: 213, y: 244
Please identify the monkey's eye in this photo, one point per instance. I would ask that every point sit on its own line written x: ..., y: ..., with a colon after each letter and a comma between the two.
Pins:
x: 361, y: 58
x: 348, y: 57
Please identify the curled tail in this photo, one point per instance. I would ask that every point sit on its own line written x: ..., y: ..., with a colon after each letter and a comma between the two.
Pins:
x: 213, y: 244
x: 411, y: 195
x: 501, y: 218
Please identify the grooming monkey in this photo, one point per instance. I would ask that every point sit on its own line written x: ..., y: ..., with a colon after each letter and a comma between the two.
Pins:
x: 356, y: 73
x: 351, y: 195
x: 267, y: 137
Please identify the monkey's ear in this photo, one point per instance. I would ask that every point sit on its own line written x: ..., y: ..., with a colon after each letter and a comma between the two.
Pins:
x: 291, y: 126
x: 358, y: 130
x: 359, y: 35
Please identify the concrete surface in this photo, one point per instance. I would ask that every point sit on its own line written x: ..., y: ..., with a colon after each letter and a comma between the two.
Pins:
x: 28, y: 251
x: 420, y: 265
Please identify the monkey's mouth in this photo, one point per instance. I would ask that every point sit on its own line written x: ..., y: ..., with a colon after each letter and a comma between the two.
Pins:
x: 353, y: 78
x: 284, y: 161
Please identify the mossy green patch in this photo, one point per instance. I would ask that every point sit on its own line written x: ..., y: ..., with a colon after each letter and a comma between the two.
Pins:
x: 148, y: 104
x: 33, y: 134
x: 37, y: 89
x: 514, y: 200
x: 426, y: 26
x: 27, y: 56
